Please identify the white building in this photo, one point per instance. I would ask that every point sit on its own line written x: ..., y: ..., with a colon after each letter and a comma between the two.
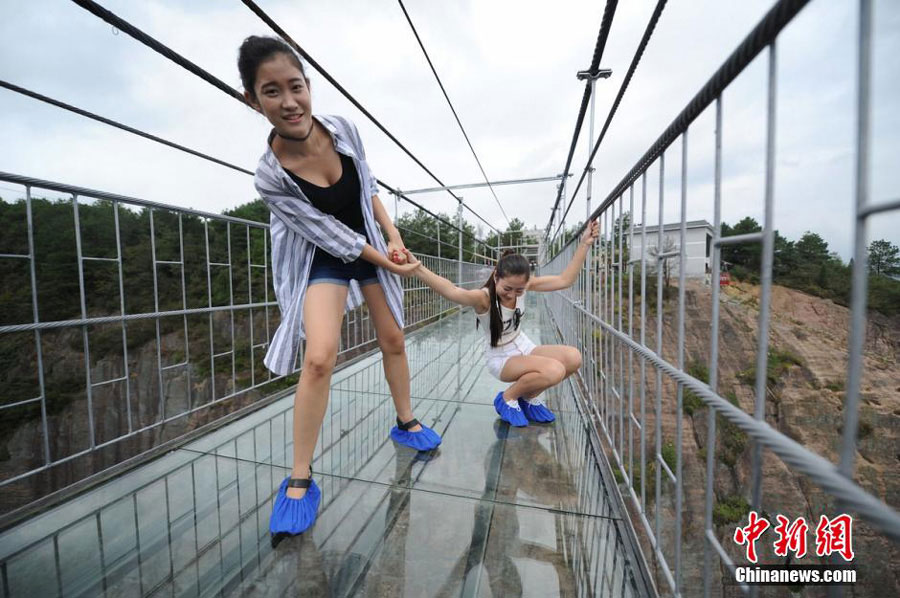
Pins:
x: 698, y: 246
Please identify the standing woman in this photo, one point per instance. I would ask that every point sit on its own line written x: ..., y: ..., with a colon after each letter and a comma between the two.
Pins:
x: 327, y: 255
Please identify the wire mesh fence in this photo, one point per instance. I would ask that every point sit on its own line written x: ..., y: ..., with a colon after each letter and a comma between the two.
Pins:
x: 650, y: 323
x: 127, y: 324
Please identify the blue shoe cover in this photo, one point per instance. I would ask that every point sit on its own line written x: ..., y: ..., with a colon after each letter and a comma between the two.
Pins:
x: 294, y: 515
x: 536, y: 412
x: 425, y: 439
x: 512, y: 415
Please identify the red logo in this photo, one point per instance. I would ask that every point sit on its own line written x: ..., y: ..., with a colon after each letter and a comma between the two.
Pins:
x: 748, y: 535
x: 791, y: 537
x: 832, y: 536
x: 835, y: 535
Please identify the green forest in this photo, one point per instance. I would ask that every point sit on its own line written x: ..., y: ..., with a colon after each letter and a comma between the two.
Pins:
x: 805, y: 264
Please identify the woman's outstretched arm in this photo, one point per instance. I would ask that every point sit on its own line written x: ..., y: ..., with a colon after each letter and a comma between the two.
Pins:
x: 395, y: 241
x: 445, y: 288
x: 570, y: 274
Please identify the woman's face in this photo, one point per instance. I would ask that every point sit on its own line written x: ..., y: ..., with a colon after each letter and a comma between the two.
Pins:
x: 510, y: 287
x: 282, y: 96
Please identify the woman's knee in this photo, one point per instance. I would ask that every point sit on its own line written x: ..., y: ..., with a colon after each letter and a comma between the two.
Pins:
x: 392, y: 343
x: 319, y: 363
x: 574, y: 360
x: 555, y: 372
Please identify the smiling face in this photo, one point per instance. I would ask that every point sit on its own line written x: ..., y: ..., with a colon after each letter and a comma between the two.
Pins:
x: 281, y: 94
x: 510, y: 287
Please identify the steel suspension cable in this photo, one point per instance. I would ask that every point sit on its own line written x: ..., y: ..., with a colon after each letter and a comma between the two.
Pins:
x: 452, y: 109
x: 642, y: 46
x: 287, y: 38
x: 118, y: 125
x: 759, y: 37
x: 123, y: 25
x: 605, y: 25
x: 172, y: 144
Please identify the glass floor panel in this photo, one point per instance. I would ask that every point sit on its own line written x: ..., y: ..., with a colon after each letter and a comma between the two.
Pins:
x: 495, y: 511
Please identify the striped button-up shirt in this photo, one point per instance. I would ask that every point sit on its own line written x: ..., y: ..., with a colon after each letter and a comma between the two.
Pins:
x: 297, y: 227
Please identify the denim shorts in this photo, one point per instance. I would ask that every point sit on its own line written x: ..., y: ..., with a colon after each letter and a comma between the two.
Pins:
x: 327, y: 268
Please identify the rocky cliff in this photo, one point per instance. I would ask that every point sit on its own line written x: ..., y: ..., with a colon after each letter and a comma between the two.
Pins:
x: 807, y: 367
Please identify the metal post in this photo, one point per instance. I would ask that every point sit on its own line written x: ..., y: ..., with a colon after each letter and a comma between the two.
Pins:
x: 159, y: 370
x: 89, y: 387
x: 459, y: 281
x: 590, y: 177
x: 38, y: 347
x: 643, y: 339
x: 562, y: 222
x: 587, y: 262
x: 115, y: 207
x: 440, y: 269
x: 682, y: 265
x: 759, y: 410
x: 713, y: 360
x: 860, y: 275
x: 459, y: 225
x: 660, y: 264
x: 630, y: 266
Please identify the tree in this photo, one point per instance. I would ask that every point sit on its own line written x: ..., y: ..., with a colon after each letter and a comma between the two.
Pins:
x: 884, y: 258
x: 785, y: 258
x: 668, y: 246
x: 811, y: 250
x: 511, y: 236
x: 420, y: 235
x: 255, y: 210
x: 623, y: 224
x: 747, y: 255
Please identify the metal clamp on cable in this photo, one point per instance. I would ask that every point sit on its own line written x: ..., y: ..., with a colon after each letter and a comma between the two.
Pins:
x: 593, y: 76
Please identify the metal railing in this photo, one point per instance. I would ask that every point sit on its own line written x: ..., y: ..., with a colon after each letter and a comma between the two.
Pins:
x: 197, y: 519
x: 158, y: 325
x: 630, y: 387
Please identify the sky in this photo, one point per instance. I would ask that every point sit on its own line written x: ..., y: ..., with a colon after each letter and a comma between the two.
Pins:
x: 509, y: 68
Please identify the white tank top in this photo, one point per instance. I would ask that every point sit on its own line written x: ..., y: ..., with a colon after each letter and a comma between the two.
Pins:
x: 509, y: 330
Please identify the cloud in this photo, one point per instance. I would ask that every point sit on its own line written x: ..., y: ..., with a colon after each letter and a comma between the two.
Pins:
x: 509, y: 68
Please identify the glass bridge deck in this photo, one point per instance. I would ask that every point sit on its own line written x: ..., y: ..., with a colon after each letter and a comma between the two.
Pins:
x: 494, y: 511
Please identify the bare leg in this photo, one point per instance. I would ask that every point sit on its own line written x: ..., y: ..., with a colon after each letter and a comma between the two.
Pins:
x: 323, y: 312
x: 530, y: 375
x: 393, y: 351
x: 570, y: 357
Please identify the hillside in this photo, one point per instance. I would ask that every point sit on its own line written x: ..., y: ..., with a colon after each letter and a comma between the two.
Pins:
x: 807, y: 369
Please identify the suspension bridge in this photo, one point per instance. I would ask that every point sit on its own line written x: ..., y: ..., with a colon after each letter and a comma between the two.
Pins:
x: 154, y: 438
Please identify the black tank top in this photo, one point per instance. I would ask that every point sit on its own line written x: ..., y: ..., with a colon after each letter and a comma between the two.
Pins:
x: 341, y: 200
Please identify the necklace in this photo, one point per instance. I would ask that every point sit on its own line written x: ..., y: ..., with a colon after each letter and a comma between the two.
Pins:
x: 289, y: 138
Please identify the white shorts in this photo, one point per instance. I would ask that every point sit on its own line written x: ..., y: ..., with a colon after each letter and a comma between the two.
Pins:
x: 496, y: 356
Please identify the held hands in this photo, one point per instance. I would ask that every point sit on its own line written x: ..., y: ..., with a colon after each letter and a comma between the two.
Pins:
x: 407, y: 266
x: 591, y: 232
x: 397, y: 255
x: 395, y: 251
x: 411, y: 258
